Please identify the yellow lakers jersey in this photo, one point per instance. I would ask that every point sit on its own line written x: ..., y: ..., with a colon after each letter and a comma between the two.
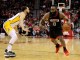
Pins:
x: 14, y: 20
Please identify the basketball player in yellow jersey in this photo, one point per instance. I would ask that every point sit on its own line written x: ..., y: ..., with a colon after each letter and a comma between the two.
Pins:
x: 9, y: 28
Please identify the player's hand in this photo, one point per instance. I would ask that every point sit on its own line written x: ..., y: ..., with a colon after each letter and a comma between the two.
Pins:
x: 42, y: 27
x: 27, y: 30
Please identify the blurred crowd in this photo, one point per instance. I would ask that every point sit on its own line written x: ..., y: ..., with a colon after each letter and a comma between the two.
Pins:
x: 9, y: 8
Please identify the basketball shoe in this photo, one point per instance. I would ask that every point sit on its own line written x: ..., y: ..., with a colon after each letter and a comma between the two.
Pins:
x: 65, y: 51
x: 9, y: 54
x: 58, y: 47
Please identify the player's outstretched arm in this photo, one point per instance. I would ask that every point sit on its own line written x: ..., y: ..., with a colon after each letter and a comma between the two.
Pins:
x: 44, y: 18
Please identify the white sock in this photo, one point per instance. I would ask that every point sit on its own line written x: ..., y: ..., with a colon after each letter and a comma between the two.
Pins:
x: 9, y: 48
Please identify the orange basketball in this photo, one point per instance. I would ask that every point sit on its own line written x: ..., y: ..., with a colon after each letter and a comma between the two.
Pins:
x: 66, y: 27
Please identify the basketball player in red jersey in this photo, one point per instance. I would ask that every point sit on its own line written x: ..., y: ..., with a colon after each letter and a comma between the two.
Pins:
x: 54, y: 18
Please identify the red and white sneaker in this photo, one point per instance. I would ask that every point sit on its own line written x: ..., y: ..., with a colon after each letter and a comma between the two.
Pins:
x: 58, y: 47
x: 66, y: 52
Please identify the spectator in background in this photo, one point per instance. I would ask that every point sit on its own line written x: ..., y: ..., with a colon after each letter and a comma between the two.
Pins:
x: 78, y: 32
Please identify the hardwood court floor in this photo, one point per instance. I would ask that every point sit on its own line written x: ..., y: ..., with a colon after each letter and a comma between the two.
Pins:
x: 39, y: 49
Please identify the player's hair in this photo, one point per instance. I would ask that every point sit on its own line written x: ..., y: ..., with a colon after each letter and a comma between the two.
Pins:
x: 54, y: 6
x: 23, y: 8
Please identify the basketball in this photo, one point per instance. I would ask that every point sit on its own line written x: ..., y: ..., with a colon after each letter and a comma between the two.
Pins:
x: 66, y: 27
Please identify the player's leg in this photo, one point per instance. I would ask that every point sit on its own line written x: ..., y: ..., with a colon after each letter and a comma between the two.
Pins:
x: 54, y: 41
x: 11, y: 32
x: 12, y: 40
x: 8, y: 51
x: 57, y: 45
x: 64, y: 45
x: 53, y: 35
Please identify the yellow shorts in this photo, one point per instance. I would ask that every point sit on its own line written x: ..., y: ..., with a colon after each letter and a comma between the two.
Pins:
x: 7, y: 27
